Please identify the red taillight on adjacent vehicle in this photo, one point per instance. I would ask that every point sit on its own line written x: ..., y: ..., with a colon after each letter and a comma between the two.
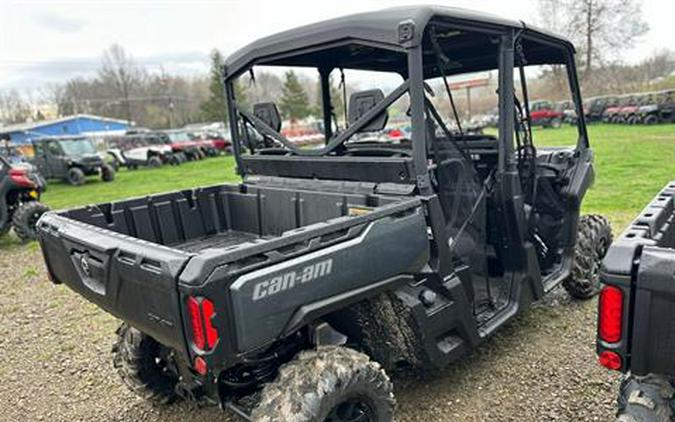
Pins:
x: 211, y: 333
x: 195, y: 313
x: 610, y: 360
x: 610, y: 314
x: 201, y: 312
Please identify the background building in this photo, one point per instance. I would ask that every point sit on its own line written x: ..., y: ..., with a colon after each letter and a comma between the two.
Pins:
x: 78, y: 124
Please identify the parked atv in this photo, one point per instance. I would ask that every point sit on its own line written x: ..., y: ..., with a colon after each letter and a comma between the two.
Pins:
x: 544, y: 113
x: 20, y: 209
x: 71, y: 159
x: 181, y: 143
x: 636, y: 313
x: 289, y: 296
x: 661, y: 110
x: 141, y: 149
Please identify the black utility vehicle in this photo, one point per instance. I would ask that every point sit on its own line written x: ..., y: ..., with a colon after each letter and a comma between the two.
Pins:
x: 20, y: 209
x: 662, y: 110
x: 71, y: 159
x: 285, y: 297
x: 636, y: 316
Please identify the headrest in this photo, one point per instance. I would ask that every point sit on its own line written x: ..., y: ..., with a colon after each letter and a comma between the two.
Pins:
x: 361, y: 102
x: 268, y: 113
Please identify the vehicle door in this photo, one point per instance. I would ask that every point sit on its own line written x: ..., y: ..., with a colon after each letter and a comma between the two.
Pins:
x: 57, y: 162
x: 40, y: 159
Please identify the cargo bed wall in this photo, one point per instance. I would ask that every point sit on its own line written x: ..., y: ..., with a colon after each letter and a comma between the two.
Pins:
x: 177, y: 218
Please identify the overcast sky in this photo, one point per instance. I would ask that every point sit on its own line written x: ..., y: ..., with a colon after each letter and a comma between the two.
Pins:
x: 50, y: 41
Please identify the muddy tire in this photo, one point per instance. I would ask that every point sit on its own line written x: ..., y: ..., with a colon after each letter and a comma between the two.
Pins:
x: 25, y: 218
x: 651, y: 120
x: 76, y: 176
x: 329, y: 384
x: 107, y: 173
x: 138, y: 360
x: 154, y: 162
x: 645, y: 399
x: 594, y: 236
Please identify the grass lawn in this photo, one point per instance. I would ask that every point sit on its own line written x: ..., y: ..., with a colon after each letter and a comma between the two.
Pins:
x: 632, y: 164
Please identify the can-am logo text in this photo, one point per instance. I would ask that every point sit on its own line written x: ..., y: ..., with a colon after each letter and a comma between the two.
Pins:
x: 292, y: 279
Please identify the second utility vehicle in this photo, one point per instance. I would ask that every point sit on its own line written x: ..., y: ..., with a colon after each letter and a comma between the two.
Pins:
x: 286, y: 297
x: 636, y: 316
x: 71, y: 159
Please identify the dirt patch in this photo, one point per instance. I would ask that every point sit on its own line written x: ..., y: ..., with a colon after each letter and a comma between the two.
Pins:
x: 56, y: 365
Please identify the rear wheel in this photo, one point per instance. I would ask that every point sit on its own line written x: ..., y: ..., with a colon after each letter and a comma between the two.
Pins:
x: 331, y: 383
x: 594, y: 235
x: 645, y: 399
x: 76, y: 176
x: 25, y: 218
x: 142, y: 364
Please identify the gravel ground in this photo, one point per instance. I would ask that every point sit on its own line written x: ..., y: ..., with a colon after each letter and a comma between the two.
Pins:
x: 55, y: 364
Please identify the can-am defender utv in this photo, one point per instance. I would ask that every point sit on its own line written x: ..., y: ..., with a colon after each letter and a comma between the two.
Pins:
x: 20, y: 209
x: 287, y: 296
x: 71, y: 158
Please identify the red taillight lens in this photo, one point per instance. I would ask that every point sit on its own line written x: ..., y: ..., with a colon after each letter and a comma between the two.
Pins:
x: 20, y: 177
x: 200, y: 366
x: 201, y: 312
x: 610, y: 314
x: 211, y: 332
x: 194, y: 311
x: 610, y: 360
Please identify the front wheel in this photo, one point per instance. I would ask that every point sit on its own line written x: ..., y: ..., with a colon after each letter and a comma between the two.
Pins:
x: 107, y: 173
x: 331, y: 383
x: 594, y: 235
x: 142, y: 363
x: 25, y: 218
x: 651, y: 120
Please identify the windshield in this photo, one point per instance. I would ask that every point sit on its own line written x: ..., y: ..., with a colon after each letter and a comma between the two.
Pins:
x: 179, y: 137
x: 78, y: 147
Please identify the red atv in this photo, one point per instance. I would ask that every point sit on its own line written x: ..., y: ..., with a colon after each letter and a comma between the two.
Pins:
x: 544, y: 113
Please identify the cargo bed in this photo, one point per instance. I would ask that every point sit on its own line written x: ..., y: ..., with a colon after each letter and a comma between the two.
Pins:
x: 131, y: 256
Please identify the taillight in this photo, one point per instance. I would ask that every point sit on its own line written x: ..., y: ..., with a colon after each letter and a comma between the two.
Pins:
x: 201, y: 312
x: 211, y: 332
x: 610, y: 360
x: 196, y: 324
x: 20, y: 178
x: 610, y: 314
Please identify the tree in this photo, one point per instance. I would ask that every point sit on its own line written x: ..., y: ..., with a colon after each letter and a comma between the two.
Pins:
x: 215, y: 107
x: 120, y: 75
x: 294, y: 102
x: 601, y: 29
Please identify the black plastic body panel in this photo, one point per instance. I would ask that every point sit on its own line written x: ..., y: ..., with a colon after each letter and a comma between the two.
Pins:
x: 642, y: 264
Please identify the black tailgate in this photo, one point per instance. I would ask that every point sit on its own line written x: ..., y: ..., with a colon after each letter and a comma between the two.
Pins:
x: 132, y: 279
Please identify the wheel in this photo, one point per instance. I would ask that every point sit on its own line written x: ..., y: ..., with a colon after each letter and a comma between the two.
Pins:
x: 645, y: 399
x: 76, y: 176
x: 142, y: 363
x: 25, y: 218
x: 182, y: 157
x: 651, y: 119
x: 132, y: 166
x: 331, y: 383
x: 107, y: 173
x: 594, y: 235
x: 175, y: 160
x: 154, y: 162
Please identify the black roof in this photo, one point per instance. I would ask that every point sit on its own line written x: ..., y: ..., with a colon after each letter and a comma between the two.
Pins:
x: 379, y: 27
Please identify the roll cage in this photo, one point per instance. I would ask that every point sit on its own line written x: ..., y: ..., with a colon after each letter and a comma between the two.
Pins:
x: 468, y: 43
